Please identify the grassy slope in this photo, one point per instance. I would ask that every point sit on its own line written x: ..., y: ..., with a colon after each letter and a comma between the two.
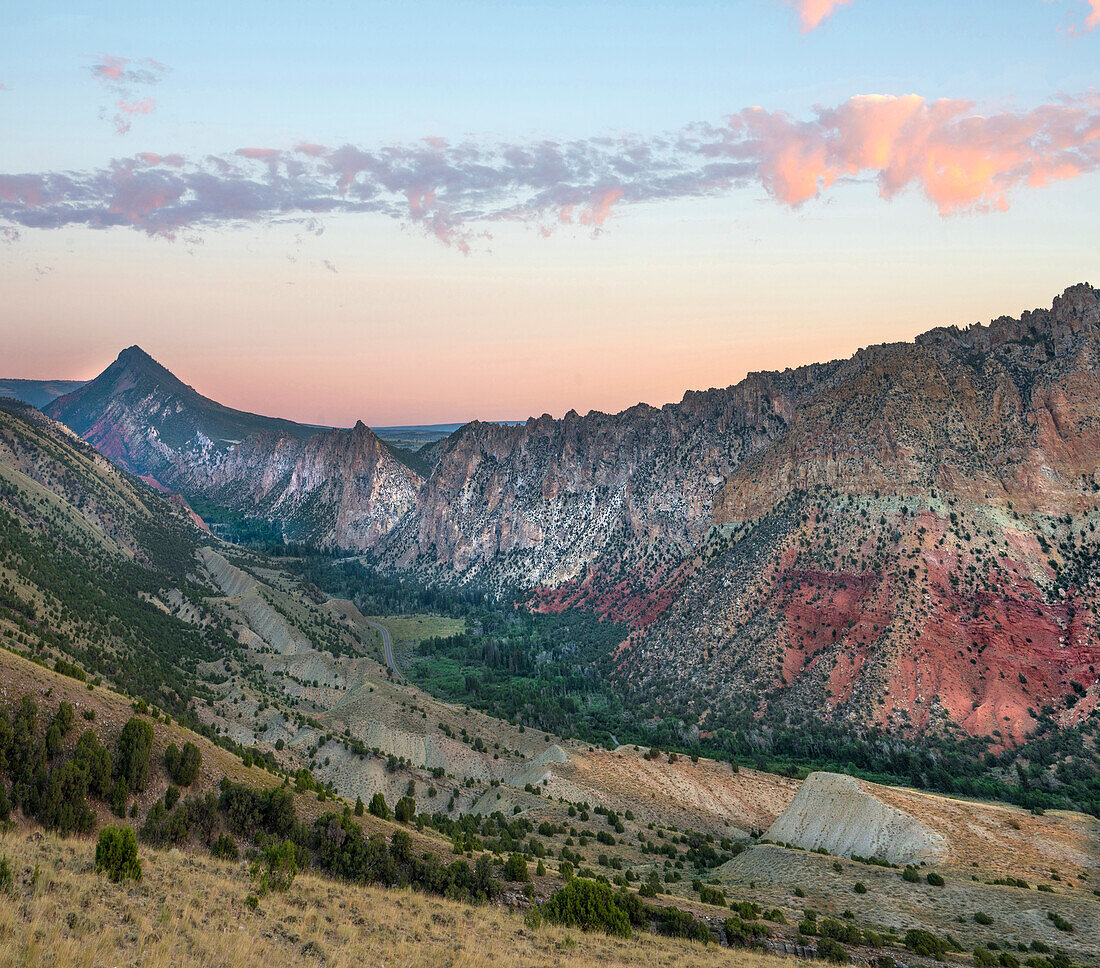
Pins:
x: 189, y: 910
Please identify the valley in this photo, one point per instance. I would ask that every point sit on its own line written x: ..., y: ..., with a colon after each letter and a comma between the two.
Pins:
x: 858, y: 711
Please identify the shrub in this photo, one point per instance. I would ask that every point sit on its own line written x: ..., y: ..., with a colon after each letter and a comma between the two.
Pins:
x: 588, y: 905
x: 745, y: 909
x: 744, y: 934
x: 359, y: 806
x: 910, y: 874
x: 120, y: 793
x: 936, y: 880
x: 276, y: 868
x: 1059, y: 922
x: 7, y: 878
x: 225, y: 848
x: 860, y: 887
x: 982, y: 918
x: 171, y: 797
x: 984, y: 958
x: 5, y: 804
x: 116, y: 854
x: 848, y: 933
x: 93, y: 759
x: 515, y: 868
x: 798, y: 892
x: 925, y: 943
x: 832, y: 951
x: 405, y: 809
x: 712, y: 895
x: 135, y: 743
x: 183, y: 765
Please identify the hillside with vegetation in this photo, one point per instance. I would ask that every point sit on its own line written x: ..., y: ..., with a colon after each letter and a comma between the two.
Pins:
x: 162, y: 691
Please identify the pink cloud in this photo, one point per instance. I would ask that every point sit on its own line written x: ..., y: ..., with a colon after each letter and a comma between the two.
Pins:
x: 122, y: 122
x: 151, y: 158
x: 959, y: 159
x: 1092, y: 20
x: 259, y: 154
x: 122, y: 71
x: 597, y: 212
x: 813, y: 13
x: 125, y: 78
x: 109, y: 68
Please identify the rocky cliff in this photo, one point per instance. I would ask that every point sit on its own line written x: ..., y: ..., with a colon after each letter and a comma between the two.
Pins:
x: 918, y: 548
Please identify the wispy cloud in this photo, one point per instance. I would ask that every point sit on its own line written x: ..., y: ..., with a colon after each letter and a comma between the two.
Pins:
x: 127, y: 79
x: 961, y: 160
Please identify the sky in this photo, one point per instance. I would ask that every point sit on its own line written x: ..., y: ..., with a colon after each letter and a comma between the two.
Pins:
x: 437, y: 211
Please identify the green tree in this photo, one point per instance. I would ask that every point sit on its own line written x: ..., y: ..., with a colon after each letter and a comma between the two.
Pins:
x: 378, y: 807
x: 135, y: 744
x: 94, y: 761
x: 515, y: 868
x: 185, y: 765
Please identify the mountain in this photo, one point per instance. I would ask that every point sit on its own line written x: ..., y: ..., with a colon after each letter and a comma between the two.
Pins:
x: 38, y: 393
x: 903, y: 538
x: 332, y: 487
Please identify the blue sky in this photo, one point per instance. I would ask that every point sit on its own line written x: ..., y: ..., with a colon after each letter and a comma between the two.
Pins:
x: 601, y: 314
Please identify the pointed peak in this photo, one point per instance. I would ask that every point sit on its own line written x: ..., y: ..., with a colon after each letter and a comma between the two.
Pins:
x: 134, y: 358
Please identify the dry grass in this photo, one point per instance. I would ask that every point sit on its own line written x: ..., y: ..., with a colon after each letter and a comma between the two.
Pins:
x: 190, y: 910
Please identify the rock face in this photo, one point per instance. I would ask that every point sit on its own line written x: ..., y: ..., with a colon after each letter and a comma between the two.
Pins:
x: 918, y: 549
x: 336, y: 488
x: 545, y: 501
x: 838, y: 813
